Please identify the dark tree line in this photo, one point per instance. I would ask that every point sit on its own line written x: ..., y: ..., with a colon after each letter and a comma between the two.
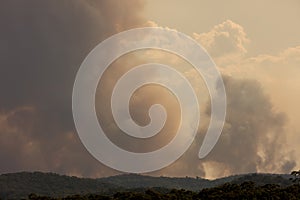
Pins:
x: 251, y: 186
x: 246, y: 190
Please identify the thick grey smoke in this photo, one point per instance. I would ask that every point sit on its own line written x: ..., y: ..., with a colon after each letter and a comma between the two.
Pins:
x: 140, y: 103
x: 42, y: 46
x: 254, y: 135
x: 253, y: 138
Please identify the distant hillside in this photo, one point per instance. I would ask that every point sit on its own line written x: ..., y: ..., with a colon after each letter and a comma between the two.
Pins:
x: 19, y: 185
x: 130, y: 181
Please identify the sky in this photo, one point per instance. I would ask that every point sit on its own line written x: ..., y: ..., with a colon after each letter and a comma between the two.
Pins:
x: 255, y: 45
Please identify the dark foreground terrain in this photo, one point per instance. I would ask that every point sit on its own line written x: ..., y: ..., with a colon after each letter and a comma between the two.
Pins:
x: 247, y: 190
x: 53, y: 186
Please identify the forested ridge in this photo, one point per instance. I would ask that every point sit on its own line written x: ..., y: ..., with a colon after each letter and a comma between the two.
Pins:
x: 39, y: 185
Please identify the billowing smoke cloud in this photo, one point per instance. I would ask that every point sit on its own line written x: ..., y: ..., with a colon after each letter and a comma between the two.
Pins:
x: 42, y: 47
x: 277, y: 77
x: 253, y: 138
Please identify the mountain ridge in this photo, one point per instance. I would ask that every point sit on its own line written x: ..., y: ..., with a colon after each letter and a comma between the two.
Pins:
x: 21, y: 184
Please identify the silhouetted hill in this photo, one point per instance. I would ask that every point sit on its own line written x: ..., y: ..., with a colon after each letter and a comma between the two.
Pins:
x: 130, y: 181
x: 19, y: 185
